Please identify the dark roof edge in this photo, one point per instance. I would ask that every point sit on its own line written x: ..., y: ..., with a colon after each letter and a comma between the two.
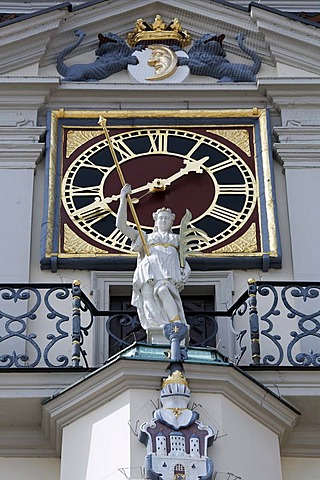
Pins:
x: 88, y: 4
x: 273, y: 394
x: 231, y: 5
x: 290, y: 15
x: 222, y: 2
x: 226, y: 3
x: 118, y: 357
x: 20, y: 18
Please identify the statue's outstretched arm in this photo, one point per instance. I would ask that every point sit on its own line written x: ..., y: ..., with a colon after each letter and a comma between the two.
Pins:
x: 121, y: 220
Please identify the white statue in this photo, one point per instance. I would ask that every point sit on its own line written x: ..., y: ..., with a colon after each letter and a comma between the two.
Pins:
x: 158, y: 277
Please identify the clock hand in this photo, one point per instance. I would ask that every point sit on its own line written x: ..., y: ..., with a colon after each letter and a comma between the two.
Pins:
x: 99, y: 207
x: 160, y: 184
x: 191, y: 166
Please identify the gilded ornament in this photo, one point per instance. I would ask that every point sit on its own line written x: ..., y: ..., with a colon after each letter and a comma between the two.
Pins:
x: 265, y: 152
x: 158, y: 32
x: 74, y: 244
x: 175, y: 378
x: 247, y: 243
x: 238, y: 137
x: 76, y: 138
x: 52, y: 179
x: 164, y: 60
x: 237, y: 113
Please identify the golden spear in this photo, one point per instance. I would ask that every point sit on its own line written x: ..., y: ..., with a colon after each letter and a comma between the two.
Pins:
x: 103, y: 122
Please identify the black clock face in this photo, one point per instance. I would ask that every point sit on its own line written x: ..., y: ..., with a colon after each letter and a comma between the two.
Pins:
x: 175, y: 167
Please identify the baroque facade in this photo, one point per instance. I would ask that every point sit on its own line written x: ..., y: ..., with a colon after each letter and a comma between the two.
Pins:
x: 78, y: 377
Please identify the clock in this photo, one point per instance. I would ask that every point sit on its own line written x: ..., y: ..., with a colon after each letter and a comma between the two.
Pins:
x: 201, y: 161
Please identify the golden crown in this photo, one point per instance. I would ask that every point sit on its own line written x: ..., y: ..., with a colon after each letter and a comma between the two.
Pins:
x: 158, y: 32
x: 176, y: 378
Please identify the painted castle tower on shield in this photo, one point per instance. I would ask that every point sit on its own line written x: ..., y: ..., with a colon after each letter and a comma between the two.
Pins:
x: 176, y: 440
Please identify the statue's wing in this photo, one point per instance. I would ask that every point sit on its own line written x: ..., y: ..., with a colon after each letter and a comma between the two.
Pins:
x: 190, y: 237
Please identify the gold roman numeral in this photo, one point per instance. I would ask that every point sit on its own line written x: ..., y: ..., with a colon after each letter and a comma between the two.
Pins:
x: 194, y: 148
x: 117, y: 239
x: 233, y: 189
x: 121, y: 147
x: 90, y: 214
x: 159, y: 141
x: 220, y: 166
x: 93, y: 190
x: 225, y: 214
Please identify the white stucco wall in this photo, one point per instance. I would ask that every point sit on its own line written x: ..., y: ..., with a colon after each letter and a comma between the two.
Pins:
x: 241, y: 440
x: 304, y: 199
x: 16, y: 187
x: 101, y: 443
x: 30, y: 468
x: 300, y: 468
x: 95, y: 446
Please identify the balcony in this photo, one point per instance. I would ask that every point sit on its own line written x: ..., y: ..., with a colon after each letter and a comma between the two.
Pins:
x: 272, y: 324
x: 48, y: 346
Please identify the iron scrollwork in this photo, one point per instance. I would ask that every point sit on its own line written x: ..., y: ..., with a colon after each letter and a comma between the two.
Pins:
x: 16, y: 326
x: 239, y: 335
x: 308, y: 324
x: 25, y: 348
x: 203, y: 329
x: 281, y: 318
x: 270, y: 359
x: 123, y: 329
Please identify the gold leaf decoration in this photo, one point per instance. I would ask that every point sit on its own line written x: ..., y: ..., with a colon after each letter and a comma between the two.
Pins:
x: 247, y: 243
x: 238, y: 137
x: 75, y: 245
x: 76, y: 138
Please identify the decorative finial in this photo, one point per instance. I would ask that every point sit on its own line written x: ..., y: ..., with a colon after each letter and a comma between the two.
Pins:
x: 158, y: 32
x: 175, y: 378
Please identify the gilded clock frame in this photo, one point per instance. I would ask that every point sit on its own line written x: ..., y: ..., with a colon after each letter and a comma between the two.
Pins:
x: 232, y: 256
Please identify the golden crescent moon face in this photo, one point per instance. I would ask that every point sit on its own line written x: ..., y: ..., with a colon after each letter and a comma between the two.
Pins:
x: 163, y: 60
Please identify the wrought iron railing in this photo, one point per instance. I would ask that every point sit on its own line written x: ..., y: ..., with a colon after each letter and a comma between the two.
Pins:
x: 284, y: 323
x: 33, y: 324
x: 273, y: 324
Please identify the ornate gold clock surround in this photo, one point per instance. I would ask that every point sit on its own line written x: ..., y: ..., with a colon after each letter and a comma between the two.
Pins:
x: 231, y: 196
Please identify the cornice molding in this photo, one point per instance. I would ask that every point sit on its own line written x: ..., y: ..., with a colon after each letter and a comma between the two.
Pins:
x: 24, y: 437
x: 27, y: 92
x: 25, y: 442
x: 20, y: 156
x: 19, y: 135
x: 115, y: 378
x: 290, y: 41
x: 21, y: 6
x: 120, y: 18
x: 298, y: 147
x: 305, y: 442
x: 32, y: 384
x: 298, y: 134
x: 302, y: 387
x: 279, y: 93
x: 40, y: 38
x: 34, y: 92
x: 24, y: 43
x: 290, y: 382
x: 297, y: 155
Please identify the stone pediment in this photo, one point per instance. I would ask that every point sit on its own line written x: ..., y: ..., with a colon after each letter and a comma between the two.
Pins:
x: 287, y: 47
